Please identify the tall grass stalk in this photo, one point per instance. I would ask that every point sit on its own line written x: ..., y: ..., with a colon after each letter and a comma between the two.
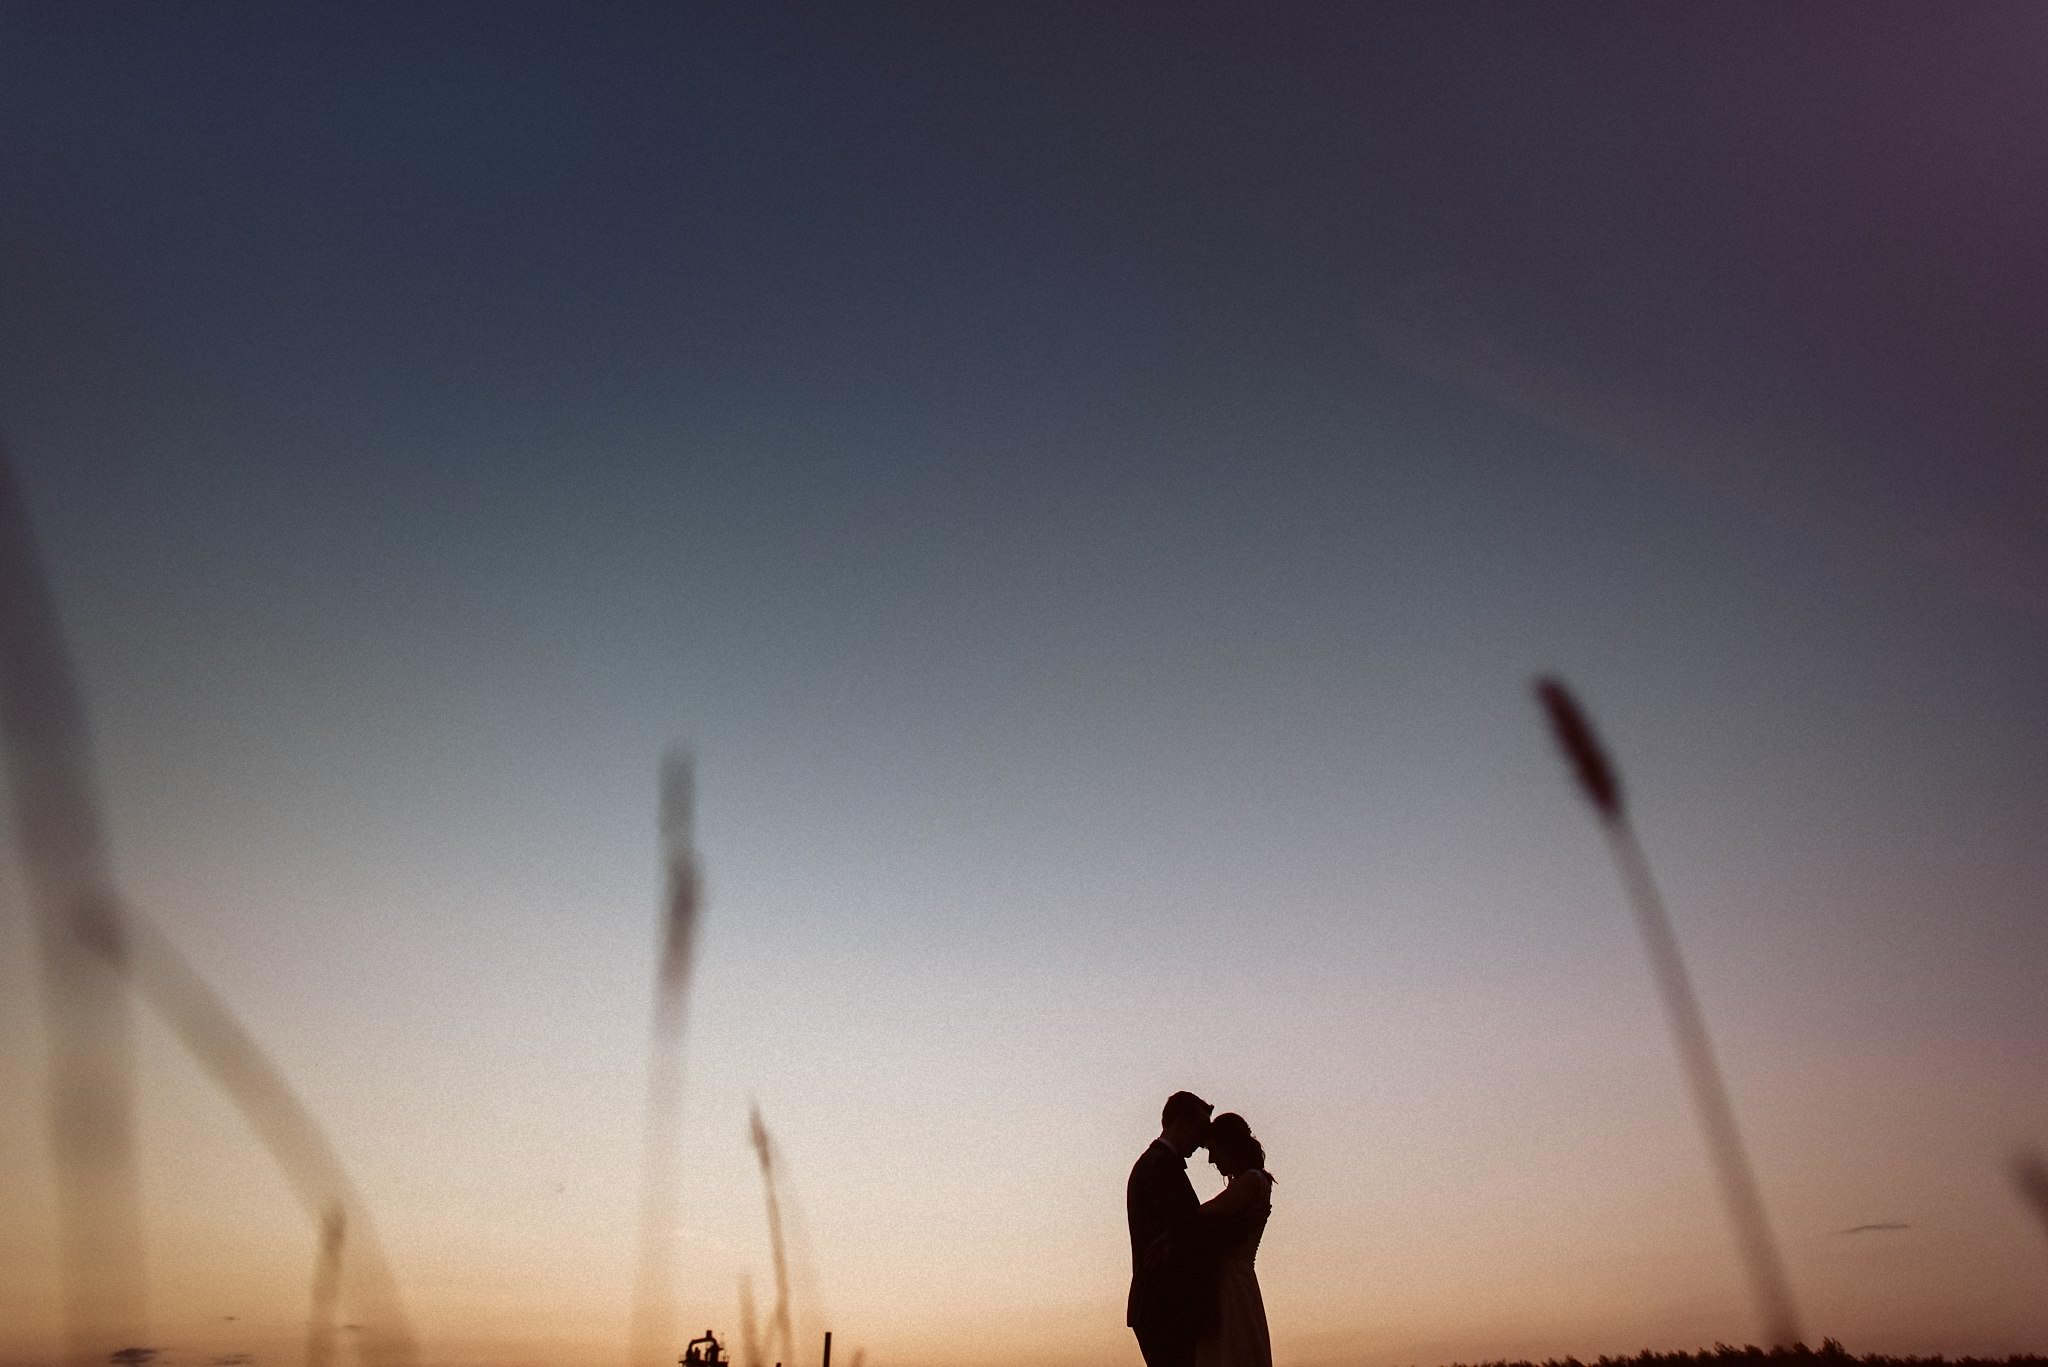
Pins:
x: 82, y: 937
x: 778, y: 1326
x: 652, y: 1332
x: 94, y: 949
x: 1739, y: 1192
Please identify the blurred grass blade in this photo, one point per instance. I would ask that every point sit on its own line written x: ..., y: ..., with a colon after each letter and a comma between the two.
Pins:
x: 90, y: 944
x: 779, y: 1330
x: 83, y: 946
x: 2030, y: 1173
x: 652, y: 1334
x: 230, y: 1056
x: 326, y: 1288
x: 750, y: 1333
x: 1739, y: 1192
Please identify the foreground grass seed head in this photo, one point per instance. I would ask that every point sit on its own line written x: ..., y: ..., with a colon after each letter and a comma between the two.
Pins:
x: 1581, y: 746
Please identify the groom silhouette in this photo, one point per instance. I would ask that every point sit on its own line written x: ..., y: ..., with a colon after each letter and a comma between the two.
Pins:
x: 1165, y: 1306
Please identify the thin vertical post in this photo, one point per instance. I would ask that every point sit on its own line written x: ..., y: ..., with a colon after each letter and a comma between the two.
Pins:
x: 828, y: 1348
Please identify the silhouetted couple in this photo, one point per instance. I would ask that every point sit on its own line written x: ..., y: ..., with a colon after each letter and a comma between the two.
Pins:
x: 1194, y: 1296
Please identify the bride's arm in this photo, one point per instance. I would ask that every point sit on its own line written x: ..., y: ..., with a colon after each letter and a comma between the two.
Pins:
x: 1246, y: 1193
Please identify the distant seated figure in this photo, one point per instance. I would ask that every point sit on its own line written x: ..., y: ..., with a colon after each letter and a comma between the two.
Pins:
x: 1169, y: 1274
x: 1231, y: 1223
x: 705, y: 1351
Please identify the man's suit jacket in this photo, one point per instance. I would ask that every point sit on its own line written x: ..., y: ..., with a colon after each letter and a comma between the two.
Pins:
x: 1160, y: 1204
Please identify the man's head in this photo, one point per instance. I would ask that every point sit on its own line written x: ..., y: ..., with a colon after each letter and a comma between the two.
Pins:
x: 1184, y: 1122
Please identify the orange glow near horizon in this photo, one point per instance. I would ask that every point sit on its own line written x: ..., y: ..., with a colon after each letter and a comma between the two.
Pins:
x: 1503, y: 1197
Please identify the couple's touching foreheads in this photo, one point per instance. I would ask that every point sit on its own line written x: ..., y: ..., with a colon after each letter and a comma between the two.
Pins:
x: 1194, y: 1296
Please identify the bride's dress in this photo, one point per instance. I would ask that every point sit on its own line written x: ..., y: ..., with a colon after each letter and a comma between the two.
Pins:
x: 1234, y: 1219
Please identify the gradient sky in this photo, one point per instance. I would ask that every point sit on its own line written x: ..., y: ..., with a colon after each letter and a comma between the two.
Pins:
x: 1091, y: 484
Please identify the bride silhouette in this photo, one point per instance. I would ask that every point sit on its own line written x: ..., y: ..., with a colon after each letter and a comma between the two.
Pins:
x: 1231, y: 1222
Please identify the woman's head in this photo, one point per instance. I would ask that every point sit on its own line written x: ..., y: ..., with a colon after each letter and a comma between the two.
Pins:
x: 1233, y: 1148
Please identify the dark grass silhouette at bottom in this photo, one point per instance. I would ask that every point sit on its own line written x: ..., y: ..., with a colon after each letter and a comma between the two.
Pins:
x: 1829, y: 1354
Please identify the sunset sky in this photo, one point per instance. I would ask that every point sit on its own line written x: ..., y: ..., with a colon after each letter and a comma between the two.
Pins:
x: 1091, y: 485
